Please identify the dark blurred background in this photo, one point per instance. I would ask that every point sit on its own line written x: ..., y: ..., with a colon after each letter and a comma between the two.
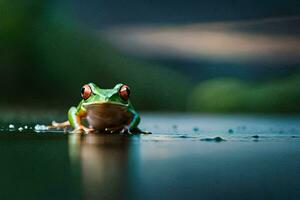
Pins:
x: 192, y: 55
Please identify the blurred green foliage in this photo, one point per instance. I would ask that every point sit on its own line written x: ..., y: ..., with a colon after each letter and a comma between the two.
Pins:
x: 46, y: 57
x: 230, y: 95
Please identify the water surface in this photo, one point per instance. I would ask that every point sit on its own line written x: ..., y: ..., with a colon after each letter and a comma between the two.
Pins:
x: 255, y: 157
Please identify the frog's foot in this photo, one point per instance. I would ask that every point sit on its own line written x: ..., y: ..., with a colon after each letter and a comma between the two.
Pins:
x: 139, y: 131
x: 59, y: 125
x: 144, y: 132
x: 83, y: 130
x: 126, y: 130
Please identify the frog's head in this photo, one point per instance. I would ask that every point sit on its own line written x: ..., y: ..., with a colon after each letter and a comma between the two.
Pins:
x: 92, y: 94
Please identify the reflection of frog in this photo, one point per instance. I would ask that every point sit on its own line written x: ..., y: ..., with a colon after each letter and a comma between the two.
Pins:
x: 105, y: 110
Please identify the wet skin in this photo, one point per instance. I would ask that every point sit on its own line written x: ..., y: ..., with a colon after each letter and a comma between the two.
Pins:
x: 105, y: 110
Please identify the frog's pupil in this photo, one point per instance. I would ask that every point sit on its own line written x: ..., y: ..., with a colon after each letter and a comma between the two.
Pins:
x: 82, y: 90
x: 128, y: 91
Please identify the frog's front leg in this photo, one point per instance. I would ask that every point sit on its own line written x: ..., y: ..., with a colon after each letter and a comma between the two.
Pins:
x: 133, y: 124
x: 75, y: 118
x: 135, y: 121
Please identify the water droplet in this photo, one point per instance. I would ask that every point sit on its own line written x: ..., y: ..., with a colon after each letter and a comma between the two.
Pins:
x: 39, y: 128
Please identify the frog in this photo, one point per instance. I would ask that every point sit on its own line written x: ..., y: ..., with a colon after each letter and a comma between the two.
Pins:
x: 104, y: 110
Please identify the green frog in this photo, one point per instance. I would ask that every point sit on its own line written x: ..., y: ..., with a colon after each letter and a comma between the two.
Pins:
x: 105, y: 110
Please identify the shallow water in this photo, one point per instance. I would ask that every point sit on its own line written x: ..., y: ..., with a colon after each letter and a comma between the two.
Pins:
x: 187, y: 156
x: 187, y: 126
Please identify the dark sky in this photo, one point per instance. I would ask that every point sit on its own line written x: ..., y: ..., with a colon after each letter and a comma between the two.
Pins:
x: 99, y: 13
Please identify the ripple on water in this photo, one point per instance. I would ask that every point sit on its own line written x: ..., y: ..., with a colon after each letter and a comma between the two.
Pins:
x: 184, y: 136
x: 213, y: 139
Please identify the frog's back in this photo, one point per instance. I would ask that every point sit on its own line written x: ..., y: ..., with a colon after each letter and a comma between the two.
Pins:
x: 106, y: 115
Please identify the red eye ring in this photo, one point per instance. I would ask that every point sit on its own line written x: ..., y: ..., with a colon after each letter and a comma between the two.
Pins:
x: 124, y: 92
x: 86, y: 92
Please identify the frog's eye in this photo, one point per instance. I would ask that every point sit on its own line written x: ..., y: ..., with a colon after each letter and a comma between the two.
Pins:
x: 124, y: 92
x: 86, y: 92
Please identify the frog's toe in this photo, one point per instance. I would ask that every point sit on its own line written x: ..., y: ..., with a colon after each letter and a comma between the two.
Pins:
x: 139, y: 131
x: 83, y: 130
x: 55, y: 124
x: 88, y: 130
x: 78, y: 131
x: 146, y: 132
x: 125, y: 130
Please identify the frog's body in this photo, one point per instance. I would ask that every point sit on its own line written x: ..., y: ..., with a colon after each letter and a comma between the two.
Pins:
x: 107, y: 115
x: 105, y: 110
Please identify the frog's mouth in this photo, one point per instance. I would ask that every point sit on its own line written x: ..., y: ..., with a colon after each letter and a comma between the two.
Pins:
x: 103, y: 103
x: 107, y: 115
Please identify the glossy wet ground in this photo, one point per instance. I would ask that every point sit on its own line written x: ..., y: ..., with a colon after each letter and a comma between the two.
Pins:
x: 187, y: 156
